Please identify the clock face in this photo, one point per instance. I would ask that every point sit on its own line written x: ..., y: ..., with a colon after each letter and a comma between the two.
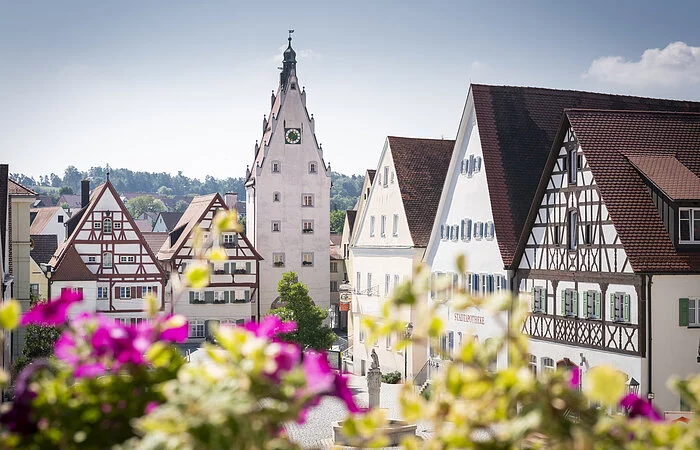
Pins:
x: 292, y: 136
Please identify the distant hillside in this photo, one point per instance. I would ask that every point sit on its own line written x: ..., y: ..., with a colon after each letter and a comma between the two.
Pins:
x: 344, y: 193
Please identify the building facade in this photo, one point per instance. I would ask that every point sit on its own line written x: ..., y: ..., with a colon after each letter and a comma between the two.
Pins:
x: 49, y: 220
x: 288, y: 194
x: 232, y: 293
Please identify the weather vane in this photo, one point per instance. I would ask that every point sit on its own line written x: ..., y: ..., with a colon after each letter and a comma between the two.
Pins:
x: 290, y: 34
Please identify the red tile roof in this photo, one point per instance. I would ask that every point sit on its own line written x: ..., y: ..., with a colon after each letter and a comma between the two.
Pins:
x: 610, y: 140
x: 421, y: 166
x: 42, y: 218
x: 14, y: 188
x: 43, y: 247
x: 517, y: 126
x: 72, y: 268
x: 669, y: 175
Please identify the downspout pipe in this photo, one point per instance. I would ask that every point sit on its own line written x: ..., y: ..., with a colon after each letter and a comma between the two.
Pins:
x: 650, y: 392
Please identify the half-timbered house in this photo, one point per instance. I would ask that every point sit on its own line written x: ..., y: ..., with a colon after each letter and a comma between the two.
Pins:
x: 106, y: 258
x: 232, y: 295
x: 612, y: 254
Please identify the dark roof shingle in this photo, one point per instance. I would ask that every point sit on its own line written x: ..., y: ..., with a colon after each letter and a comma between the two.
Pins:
x: 421, y: 166
x: 43, y: 247
x: 517, y: 127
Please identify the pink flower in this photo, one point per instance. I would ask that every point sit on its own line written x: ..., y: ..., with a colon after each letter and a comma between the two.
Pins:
x: 53, y: 312
x: 286, y: 359
x: 174, y: 329
x: 575, y: 380
x: 150, y: 406
x: 322, y: 380
x: 638, y: 407
x: 90, y: 370
x: 270, y: 326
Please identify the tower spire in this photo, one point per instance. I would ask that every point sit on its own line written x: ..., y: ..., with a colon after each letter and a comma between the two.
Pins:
x: 289, y: 62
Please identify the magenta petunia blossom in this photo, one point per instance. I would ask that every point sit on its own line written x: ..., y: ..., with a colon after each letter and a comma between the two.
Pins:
x: 575, y: 380
x: 322, y: 380
x: 53, y: 312
x: 286, y: 359
x: 174, y: 329
x: 638, y: 407
x: 270, y: 327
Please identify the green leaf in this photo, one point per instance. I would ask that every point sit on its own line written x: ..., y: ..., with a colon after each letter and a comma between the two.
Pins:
x: 10, y: 312
x: 197, y: 275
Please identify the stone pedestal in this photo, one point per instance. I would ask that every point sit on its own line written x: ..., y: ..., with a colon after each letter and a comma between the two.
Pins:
x: 374, y: 385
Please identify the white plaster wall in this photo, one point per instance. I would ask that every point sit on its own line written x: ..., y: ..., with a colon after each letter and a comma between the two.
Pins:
x: 674, y: 348
x: 293, y: 180
x: 56, y: 227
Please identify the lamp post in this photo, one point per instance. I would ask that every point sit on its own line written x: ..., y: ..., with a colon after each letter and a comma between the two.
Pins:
x: 407, y: 332
x: 48, y: 273
x: 633, y: 386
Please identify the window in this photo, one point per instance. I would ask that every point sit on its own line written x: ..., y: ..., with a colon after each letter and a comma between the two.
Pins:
x: 620, y: 307
x: 312, y: 167
x: 569, y: 303
x: 307, y: 226
x: 307, y: 200
x: 358, y: 284
x: 588, y: 234
x: 539, y: 299
x: 532, y: 364
x: 573, y: 166
x: 691, y: 307
x: 362, y: 333
x: 275, y: 167
x: 386, y: 176
x: 454, y: 232
x: 127, y: 259
x: 395, y: 231
x: 34, y: 289
x: 387, y: 284
x: 102, y: 292
x: 97, y: 225
x: 307, y: 259
x: 592, y: 304
x: 383, y: 226
x: 145, y: 290
x: 478, y: 230
x: 477, y: 164
x: 369, y: 283
x: 689, y: 225
x: 92, y: 259
x: 60, y: 219
x: 196, y: 329
x: 107, y: 226
x: 466, y: 229
x: 392, y: 177
x: 573, y: 230
x: 125, y: 292
x: 371, y: 226
x: 107, y: 259
x: 548, y: 365
x: 117, y: 225
x: 556, y: 237
x: 464, y: 168
x: 230, y: 239
x: 389, y: 340
x: 501, y: 283
x: 276, y: 226
x: 444, y: 232
x: 278, y: 259
x: 470, y: 166
x: 276, y: 196
x: 334, y: 286
x: 489, y: 231
x: 334, y: 267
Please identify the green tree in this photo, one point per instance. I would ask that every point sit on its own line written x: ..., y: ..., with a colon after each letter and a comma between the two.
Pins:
x: 144, y: 203
x: 309, y: 318
x: 165, y: 190
x: 65, y: 190
x: 181, y: 206
x: 38, y: 343
x: 337, y: 221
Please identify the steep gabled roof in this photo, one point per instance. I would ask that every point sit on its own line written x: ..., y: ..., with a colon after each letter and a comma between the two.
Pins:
x: 610, y: 140
x: 669, y: 175
x: 371, y: 173
x: 42, y: 217
x: 71, y: 267
x: 73, y: 200
x: 14, y: 188
x: 43, y: 247
x: 517, y: 126
x: 154, y: 239
x: 351, y: 214
x: 170, y: 219
x: 421, y: 166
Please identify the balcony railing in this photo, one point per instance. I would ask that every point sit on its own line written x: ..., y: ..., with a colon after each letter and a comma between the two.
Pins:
x: 371, y: 292
x: 596, y: 334
x: 218, y: 302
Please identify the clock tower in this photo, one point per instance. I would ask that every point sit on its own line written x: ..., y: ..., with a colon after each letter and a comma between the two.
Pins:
x: 288, y: 194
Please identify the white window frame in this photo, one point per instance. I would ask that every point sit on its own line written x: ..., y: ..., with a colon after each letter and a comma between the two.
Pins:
x: 694, y: 312
x: 387, y: 284
x: 102, y: 292
x: 307, y: 226
x: 371, y: 226
x: 395, y: 231
x: 307, y: 259
x: 197, y: 329
x: 307, y: 200
x: 229, y: 238
x: 124, y: 292
x: 382, y: 228
x: 97, y: 225
x: 278, y: 257
x: 107, y: 226
x: 386, y: 176
x: 532, y: 364
x: 92, y: 259
x: 548, y: 365
x: 334, y: 267
x: 572, y: 226
x: 127, y: 258
x: 107, y: 260
x: 693, y: 216
x: 572, y: 163
x: 117, y: 225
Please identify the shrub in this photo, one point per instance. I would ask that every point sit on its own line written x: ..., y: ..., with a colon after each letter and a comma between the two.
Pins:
x: 392, y: 377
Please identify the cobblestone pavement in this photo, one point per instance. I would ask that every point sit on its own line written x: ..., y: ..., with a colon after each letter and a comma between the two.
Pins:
x: 317, y: 431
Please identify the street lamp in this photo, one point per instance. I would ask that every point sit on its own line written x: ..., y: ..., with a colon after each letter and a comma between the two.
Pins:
x: 407, y: 332
x: 48, y: 270
x: 633, y: 387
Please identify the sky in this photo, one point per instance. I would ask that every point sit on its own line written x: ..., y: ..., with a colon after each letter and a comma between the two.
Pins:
x: 169, y: 85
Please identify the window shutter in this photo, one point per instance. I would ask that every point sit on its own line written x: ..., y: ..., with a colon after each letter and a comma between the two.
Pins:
x: 683, y: 312
x: 246, y: 295
x: 226, y: 299
x: 227, y: 268
x: 469, y: 229
x: 543, y: 299
x: 133, y: 291
x: 139, y: 291
x: 534, y: 293
x: 155, y: 290
x: 612, y: 306
x: 117, y: 293
x: 563, y: 303
x: 586, y: 304
x: 597, y: 297
x: 626, y: 310
x: 247, y: 267
x: 575, y: 302
x: 191, y: 296
x: 209, y: 296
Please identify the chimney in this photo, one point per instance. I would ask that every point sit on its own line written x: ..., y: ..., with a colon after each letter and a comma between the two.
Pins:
x: 231, y: 200
x: 4, y: 175
x: 84, y: 193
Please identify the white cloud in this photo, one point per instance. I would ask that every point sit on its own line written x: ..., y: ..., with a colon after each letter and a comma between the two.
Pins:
x: 676, y: 65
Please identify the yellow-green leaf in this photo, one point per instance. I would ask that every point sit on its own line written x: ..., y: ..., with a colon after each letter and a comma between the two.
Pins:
x: 605, y: 385
x: 197, y: 275
x: 10, y: 312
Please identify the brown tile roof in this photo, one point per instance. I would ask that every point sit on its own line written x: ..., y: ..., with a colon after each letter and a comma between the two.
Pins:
x: 14, y: 188
x: 43, y: 247
x: 73, y: 200
x: 72, y: 268
x: 517, y: 126
x: 610, y: 140
x: 190, y: 218
x: 336, y: 238
x: 170, y: 219
x: 669, y: 175
x: 155, y: 240
x: 421, y: 166
x: 42, y: 217
x: 144, y: 225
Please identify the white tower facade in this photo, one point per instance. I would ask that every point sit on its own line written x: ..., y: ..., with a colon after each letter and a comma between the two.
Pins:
x: 288, y: 195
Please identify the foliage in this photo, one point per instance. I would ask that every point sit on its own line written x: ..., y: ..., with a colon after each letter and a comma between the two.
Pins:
x: 345, y: 190
x: 392, y: 377
x: 38, y: 343
x: 144, y: 203
x: 337, y: 221
x: 298, y: 307
x: 65, y: 190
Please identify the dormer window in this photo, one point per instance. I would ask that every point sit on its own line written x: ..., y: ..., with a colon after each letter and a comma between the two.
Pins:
x: 107, y: 226
x: 689, y: 225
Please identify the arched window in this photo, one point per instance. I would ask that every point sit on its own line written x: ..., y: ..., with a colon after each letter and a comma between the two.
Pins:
x: 107, y: 226
x: 312, y: 167
x: 106, y: 259
x: 547, y: 365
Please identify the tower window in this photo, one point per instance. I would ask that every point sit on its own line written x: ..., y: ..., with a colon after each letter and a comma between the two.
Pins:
x: 276, y: 226
x: 276, y: 196
x: 275, y: 167
x: 312, y: 167
x: 307, y: 200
